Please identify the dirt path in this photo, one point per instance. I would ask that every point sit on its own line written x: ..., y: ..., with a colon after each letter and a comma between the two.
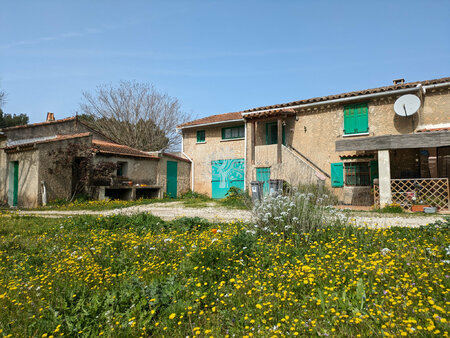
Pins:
x: 212, y: 212
x: 167, y: 211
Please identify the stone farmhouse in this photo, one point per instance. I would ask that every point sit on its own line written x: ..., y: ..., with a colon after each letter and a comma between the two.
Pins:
x: 355, y: 143
x: 43, y: 161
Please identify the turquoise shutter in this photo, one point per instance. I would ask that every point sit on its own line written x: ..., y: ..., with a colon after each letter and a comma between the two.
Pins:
x: 349, y: 120
x: 337, y: 175
x: 373, y: 171
x: 362, y: 125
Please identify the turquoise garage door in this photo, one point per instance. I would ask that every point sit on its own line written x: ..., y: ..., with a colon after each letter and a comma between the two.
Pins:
x: 226, y: 174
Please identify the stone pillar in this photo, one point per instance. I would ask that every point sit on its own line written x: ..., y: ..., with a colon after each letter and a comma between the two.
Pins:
x: 101, y: 193
x: 384, y: 173
x: 279, y: 139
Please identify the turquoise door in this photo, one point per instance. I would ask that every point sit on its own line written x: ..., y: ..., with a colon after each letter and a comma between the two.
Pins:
x: 13, y: 191
x: 172, y: 179
x: 226, y: 174
x: 263, y: 174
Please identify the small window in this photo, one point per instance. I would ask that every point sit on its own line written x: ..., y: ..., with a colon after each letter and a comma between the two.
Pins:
x: 122, y: 168
x: 272, y: 133
x: 233, y: 132
x: 200, y: 136
x: 357, y: 174
x: 356, y: 119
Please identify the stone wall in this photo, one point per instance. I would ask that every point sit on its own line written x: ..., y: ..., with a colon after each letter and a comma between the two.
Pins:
x: 58, y: 179
x: 139, y: 170
x: 28, y: 177
x: 51, y: 129
x: 183, y: 174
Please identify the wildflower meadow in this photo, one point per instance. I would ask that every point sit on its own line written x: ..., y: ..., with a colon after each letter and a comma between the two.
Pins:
x: 297, y: 270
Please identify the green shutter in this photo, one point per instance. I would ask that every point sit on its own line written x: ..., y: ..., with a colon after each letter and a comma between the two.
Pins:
x: 356, y: 119
x: 263, y: 174
x: 337, y: 175
x: 200, y: 136
x: 362, y: 125
x: 373, y: 171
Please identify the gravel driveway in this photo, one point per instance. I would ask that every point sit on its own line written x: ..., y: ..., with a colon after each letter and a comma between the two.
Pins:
x: 212, y: 212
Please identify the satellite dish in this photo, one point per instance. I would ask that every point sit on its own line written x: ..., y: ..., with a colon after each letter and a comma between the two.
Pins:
x: 407, y: 105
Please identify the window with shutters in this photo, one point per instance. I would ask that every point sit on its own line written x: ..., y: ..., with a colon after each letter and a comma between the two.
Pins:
x: 356, y: 119
x: 357, y: 174
x: 200, y: 136
x: 233, y: 132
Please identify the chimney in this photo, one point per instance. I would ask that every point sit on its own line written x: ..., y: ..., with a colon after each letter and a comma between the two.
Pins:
x: 50, y: 117
x: 398, y: 81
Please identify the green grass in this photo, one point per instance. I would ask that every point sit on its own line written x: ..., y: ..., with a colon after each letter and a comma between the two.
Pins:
x: 138, y: 276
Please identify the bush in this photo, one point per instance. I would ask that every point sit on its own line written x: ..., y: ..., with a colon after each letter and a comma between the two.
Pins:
x: 392, y: 208
x: 194, y: 195
x: 237, y: 198
x: 300, y: 212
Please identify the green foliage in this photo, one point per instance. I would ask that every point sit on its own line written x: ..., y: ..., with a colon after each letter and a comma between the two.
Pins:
x: 438, y: 225
x: 236, y: 198
x: 193, y: 195
x: 392, y: 209
x: 300, y: 211
x: 8, y: 120
x: 132, y: 276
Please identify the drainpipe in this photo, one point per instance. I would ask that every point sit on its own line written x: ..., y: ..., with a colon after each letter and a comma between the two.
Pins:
x: 192, y: 162
x: 245, y: 156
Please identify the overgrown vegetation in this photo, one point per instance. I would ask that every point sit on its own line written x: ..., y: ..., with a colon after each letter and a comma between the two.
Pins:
x: 141, y: 276
x: 392, y: 209
x: 302, y: 210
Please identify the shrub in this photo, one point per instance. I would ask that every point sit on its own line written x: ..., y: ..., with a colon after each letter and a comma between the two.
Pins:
x: 300, y: 212
x: 393, y: 208
x: 237, y: 198
x: 194, y: 195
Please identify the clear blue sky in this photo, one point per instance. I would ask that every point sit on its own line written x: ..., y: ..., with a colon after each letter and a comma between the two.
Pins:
x: 215, y: 56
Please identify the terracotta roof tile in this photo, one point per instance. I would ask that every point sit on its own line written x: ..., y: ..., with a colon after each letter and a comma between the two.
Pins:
x: 104, y: 147
x: 176, y: 157
x: 212, y: 119
x: 39, y: 124
x: 55, y: 139
x: 351, y: 94
x: 433, y: 129
x: 273, y: 112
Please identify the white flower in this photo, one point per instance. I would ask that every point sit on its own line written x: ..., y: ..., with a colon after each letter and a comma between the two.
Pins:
x: 213, y: 240
x: 385, y: 251
x: 168, y: 240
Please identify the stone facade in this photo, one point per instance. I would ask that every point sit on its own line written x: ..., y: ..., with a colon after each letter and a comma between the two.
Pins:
x: 41, y: 148
x: 313, y: 133
x: 214, y: 148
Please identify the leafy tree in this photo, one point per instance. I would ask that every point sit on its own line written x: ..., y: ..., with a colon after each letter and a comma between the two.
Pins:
x: 8, y: 120
x: 135, y: 114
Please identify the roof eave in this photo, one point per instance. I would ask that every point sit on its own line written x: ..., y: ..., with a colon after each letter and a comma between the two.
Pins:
x: 209, y: 124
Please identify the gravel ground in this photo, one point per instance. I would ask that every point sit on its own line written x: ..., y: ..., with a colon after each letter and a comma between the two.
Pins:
x: 212, y: 212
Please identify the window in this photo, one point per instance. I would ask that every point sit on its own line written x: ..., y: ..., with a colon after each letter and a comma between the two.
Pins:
x: 356, y: 119
x: 357, y: 174
x: 233, y: 132
x: 272, y: 133
x: 200, y: 136
x: 122, y: 168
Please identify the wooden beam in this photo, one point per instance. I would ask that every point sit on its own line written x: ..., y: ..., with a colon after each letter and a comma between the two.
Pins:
x: 252, y: 141
x: 408, y: 141
x: 279, y: 139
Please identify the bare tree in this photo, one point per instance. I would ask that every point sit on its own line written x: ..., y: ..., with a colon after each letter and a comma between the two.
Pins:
x: 135, y: 114
x: 2, y: 98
